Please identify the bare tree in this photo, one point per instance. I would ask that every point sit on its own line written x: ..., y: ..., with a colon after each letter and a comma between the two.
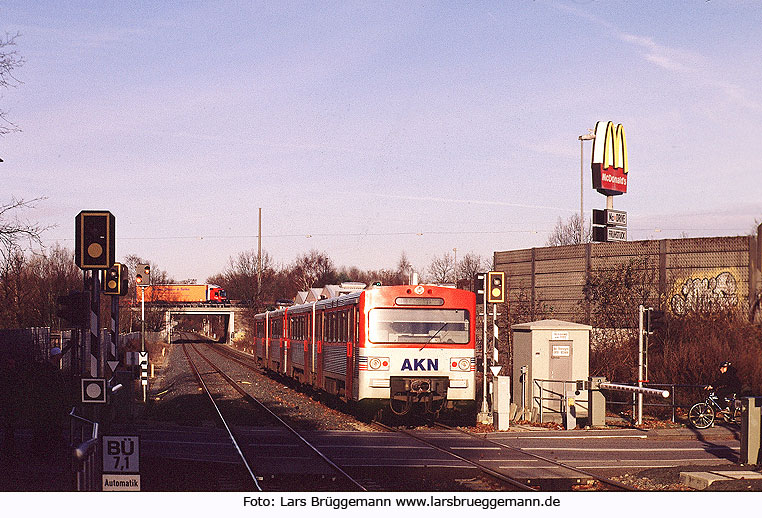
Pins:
x: 240, y: 278
x: 405, y: 269
x: 13, y: 230
x: 568, y: 233
x: 9, y: 60
x: 472, y: 264
x: 442, y: 269
x: 312, y: 269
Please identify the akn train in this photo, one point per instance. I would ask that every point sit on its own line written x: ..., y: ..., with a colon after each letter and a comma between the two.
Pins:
x: 394, y: 345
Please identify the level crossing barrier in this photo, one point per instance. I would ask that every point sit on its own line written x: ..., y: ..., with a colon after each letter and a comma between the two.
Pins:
x: 680, y: 395
x: 85, y: 442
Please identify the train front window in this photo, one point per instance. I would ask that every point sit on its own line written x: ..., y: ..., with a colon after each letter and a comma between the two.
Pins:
x: 419, y: 326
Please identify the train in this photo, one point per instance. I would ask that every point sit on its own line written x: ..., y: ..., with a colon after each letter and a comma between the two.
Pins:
x: 184, y: 293
x: 405, y: 347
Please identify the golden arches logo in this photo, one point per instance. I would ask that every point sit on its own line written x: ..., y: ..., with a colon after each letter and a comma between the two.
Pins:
x: 609, y: 163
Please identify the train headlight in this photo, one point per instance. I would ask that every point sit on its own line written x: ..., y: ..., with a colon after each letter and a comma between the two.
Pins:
x: 460, y: 364
x: 378, y: 364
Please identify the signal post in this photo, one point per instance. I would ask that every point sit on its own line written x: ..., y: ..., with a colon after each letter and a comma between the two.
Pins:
x: 143, y: 279
x: 489, y: 288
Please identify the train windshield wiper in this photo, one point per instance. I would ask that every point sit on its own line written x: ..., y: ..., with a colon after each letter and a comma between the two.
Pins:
x: 444, y: 324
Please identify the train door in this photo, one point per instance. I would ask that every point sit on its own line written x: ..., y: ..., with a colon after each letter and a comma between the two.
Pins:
x: 319, y: 338
x: 285, y: 344
x: 346, y: 336
x: 266, y: 339
x: 307, y: 348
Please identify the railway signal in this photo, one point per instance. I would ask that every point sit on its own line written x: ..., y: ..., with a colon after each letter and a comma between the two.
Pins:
x: 143, y: 275
x: 495, y: 287
x: 94, y: 240
x: 114, y: 280
x: 479, y: 287
x: 653, y: 320
x: 124, y: 280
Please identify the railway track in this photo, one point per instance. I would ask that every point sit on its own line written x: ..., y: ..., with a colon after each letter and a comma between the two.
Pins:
x: 340, y: 480
x: 511, y: 473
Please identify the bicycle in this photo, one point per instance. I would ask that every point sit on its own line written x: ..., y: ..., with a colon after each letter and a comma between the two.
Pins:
x: 702, y: 415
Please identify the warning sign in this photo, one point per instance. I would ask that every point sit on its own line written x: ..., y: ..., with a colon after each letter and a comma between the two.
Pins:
x: 121, y: 454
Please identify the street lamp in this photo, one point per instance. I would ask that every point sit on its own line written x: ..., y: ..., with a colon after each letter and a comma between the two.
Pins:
x: 589, y: 136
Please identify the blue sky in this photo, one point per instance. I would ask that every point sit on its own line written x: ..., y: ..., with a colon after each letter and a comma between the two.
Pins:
x: 365, y: 129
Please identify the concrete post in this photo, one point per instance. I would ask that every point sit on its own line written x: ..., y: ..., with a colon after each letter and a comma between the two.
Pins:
x: 751, y: 432
x: 571, y: 411
x: 501, y: 403
x: 596, y: 403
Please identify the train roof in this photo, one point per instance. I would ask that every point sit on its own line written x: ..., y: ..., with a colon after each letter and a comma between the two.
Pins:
x: 333, y: 302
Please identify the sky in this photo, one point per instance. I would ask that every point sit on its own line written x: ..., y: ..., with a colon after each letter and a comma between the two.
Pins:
x: 369, y: 129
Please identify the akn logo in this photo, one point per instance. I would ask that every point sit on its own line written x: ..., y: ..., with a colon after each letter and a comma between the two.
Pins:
x: 418, y: 364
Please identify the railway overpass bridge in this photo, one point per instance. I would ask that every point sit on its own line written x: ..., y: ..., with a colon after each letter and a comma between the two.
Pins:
x: 230, y: 315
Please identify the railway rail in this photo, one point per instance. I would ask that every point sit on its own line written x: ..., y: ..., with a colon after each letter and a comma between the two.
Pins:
x: 350, y: 483
x: 549, y: 474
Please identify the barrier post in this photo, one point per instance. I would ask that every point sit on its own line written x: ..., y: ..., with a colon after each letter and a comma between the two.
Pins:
x: 596, y: 403
x: 751, y: 431
x: 501, y: 403
x: 571, y: 410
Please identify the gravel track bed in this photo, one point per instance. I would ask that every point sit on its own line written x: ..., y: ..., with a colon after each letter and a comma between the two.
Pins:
x: 176, y: 397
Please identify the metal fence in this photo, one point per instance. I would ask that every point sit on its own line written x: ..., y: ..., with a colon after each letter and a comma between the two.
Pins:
x: 550, y: 397
x: 85, y: 443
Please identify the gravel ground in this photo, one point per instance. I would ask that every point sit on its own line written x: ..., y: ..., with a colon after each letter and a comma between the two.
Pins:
x: 175, y: 396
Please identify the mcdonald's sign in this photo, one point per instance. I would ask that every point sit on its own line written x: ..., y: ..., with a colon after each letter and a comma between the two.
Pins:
x: 609, y: 159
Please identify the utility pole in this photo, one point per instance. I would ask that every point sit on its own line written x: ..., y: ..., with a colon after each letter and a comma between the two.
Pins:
x: 259, y: 257
x: 641, y: 310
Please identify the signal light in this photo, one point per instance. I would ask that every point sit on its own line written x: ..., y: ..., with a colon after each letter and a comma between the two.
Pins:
x: 654, y: 320
x: 94, y: 243
x: 479, y: 287
x: 495, y: 287
x: 115, y: 280
x: 124, y: 280
x: 143, y: 275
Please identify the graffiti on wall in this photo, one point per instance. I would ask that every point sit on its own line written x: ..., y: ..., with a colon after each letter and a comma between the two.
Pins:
x: 705, y: 293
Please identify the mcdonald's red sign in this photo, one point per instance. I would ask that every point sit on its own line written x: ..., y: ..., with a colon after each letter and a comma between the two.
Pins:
x: 609, y: 162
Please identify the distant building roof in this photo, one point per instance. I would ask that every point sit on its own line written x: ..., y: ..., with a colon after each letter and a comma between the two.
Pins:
x: 301, y: 297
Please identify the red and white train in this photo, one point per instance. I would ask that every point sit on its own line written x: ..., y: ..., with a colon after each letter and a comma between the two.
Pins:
x: 395, y: 345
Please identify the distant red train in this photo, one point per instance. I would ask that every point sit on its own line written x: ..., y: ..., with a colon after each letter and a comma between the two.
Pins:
x: 397, y: 345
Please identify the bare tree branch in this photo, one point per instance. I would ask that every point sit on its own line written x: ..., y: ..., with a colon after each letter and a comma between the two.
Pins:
x: 9, y: 60
x: 13, y: 230
x: 568, y: 233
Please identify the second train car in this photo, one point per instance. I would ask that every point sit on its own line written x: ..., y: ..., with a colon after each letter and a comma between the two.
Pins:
x: 403, y: 346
